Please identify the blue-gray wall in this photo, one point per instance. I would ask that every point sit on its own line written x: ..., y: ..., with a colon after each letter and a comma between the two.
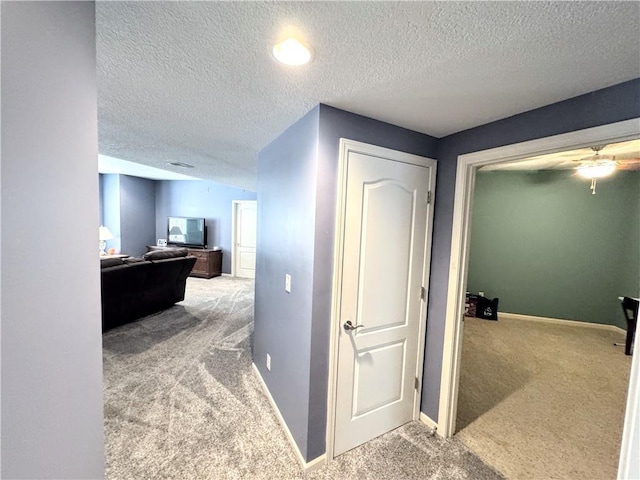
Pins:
x: 51, y: 414
x: 101, y: 197
x: 287, y: 175
x: 199, y: 198
x: 610, y: 105
x: 136, y: 210
x: 297, y: 188
x: 543, y: 244
x: 137, y: 214
x: 110, y: 208
x: 129, y: 211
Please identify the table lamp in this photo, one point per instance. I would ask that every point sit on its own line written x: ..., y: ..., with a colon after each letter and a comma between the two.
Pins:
x: 104, y: 234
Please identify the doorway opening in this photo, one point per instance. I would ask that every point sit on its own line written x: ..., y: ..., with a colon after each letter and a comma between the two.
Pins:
x: 465, y: 184
x: 243, y: 238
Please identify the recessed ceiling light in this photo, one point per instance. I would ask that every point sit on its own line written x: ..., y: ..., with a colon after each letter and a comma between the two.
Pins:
x: 181, y: 165
x: 292, y: 52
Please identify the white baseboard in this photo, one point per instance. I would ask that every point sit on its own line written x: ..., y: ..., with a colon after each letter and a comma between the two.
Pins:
x: 315, y: 463
x: 560, y: 321
x: 306, y: 466
x: 428, y: 422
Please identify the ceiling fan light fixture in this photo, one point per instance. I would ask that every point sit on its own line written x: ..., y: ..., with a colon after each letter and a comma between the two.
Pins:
x: 292, y: 52
x: 597, y: 170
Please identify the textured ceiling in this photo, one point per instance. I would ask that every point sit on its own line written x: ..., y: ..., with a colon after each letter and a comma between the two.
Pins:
x: 195, y: 81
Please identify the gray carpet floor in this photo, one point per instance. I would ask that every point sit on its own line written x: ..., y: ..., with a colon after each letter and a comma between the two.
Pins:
x: 182, y: 402
x: 543, y: 401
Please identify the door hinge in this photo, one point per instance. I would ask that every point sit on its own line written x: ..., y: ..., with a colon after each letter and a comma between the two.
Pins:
x: 417, y: 384
x: 423, y: 293
x: 429, y: 197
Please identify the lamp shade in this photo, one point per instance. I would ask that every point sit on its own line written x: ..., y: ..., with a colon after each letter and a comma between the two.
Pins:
x: 105, y: 233
x: 175, y: 231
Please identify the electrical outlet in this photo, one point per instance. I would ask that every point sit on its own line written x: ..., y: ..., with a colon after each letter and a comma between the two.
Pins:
x: 287, y: 283
x: 268, y: 362
x: 481, y: 294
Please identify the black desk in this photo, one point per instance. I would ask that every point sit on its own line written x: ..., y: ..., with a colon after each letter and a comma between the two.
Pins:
x: 630, y: 308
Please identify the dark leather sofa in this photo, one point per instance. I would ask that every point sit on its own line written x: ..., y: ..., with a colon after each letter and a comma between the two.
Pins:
x: 135, y: 287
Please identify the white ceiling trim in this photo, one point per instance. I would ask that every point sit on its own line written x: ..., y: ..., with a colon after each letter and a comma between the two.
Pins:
x: 108, y: 165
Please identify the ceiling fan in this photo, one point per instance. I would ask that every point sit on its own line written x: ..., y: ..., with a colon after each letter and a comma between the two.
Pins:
x: 598, y: 166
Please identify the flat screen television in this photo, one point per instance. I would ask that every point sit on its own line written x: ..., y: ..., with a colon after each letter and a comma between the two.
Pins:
x: 186, y: 232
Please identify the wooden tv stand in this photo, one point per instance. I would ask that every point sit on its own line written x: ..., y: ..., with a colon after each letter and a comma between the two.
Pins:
x: 208, y: 261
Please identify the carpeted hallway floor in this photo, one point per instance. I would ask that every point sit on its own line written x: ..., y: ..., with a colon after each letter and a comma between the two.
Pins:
x: 543, y: 401
x: 182, y: 402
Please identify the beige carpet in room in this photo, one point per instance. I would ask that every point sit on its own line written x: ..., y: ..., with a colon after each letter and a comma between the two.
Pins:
x: 540, y: 400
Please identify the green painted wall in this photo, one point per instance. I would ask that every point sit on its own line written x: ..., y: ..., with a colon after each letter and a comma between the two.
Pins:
x: 546, y: 247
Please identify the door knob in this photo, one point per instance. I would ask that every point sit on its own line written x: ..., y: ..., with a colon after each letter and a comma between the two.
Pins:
x: 350, y: 326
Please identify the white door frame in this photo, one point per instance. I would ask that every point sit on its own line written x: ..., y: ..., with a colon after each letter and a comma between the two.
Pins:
x: 347, y: 146
x: 465, y: 180
x: 234, y: 212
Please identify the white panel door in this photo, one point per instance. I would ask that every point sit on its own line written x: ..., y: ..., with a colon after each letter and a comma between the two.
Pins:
x: 385, y: 233
x: 244, y: 257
